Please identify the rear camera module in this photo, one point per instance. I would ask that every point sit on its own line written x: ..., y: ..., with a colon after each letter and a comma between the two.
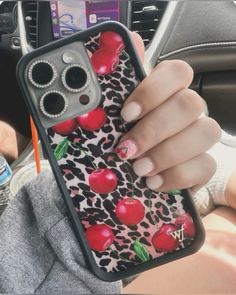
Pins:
x: 75, y: 78
x: 42, y: 74
x: 53, y: 104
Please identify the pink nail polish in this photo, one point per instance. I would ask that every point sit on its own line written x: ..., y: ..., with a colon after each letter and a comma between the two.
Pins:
x: 154, y: 182
x: 126, y: 149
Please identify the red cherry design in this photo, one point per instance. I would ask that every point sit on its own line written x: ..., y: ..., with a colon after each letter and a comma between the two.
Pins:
x: 66, y: 127
x: 103, y: 181
x: 122, y: 152
x: 130, y: 211
x: 104, y: 61
x: 163, y: 240
x: 112, y: 41
x: 93, y: 120
x: 99, y: 237
x: 186, y: 221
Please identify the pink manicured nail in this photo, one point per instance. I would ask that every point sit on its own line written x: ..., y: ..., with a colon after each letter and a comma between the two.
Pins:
x: 154, y: 182
x: 131, y: 111
x: 143, y: 166
x: 126, y: 149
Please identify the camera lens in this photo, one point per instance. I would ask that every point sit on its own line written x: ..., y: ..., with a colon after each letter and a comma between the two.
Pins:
x: 53, y: 104
x: 75, y: 78
x: 42, y: 73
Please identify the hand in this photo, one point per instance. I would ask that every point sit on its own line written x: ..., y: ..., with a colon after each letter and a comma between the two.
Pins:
x: 170, y: 140
x: 12, y: 142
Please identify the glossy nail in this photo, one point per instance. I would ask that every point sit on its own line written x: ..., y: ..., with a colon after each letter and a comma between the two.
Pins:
x: 131, y: 111
x: 126, y: 149
x: 143, y: 166
x: 154, y: 182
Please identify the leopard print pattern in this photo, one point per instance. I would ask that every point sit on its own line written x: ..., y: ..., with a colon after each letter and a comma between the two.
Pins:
x: 86, y: 151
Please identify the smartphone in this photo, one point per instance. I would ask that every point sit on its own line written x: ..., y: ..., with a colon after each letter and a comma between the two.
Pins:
x: 74, y: 89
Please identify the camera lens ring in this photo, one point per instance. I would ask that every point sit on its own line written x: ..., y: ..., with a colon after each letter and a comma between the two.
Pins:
x: 53, y: 74
x: 42, y: 104
x: 64, y: 78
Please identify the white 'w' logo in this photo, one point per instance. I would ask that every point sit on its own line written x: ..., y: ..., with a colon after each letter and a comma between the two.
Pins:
x: 178, y: 234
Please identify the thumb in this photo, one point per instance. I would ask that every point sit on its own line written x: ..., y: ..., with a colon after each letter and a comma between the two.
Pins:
x: 139, y: 45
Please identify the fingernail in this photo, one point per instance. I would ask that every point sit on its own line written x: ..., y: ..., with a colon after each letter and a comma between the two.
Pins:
x: 143, y: 166
x: 154, y: 182
x: 131, y: 111
x: 126, y: 149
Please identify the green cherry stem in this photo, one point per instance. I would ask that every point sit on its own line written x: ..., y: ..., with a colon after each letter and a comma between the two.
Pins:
x: 76, y: 145
x: 61, y: 149
x: 174, y: 192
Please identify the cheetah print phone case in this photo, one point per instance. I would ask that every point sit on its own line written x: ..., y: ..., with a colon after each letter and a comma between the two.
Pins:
x: 123, y: 227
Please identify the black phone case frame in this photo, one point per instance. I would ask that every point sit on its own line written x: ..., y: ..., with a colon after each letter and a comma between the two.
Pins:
x: 77, y: 227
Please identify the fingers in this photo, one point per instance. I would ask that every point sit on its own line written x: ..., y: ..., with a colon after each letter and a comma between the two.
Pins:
x: 179, y: 148
x: 139, y: 45
x: 170, y: 139
x: 163, y: 122
x: 180, y: 161
x: 196, y: 171
x: 168, y: 78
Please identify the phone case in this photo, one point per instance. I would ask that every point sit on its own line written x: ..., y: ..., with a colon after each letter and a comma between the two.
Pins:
x: 123, y: 227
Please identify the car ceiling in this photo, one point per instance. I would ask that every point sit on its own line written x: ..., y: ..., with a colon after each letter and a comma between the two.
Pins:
x: 204, y: 35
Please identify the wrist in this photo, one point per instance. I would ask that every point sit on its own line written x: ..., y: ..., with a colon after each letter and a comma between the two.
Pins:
x: 220, y: 184
x: 230, y: 190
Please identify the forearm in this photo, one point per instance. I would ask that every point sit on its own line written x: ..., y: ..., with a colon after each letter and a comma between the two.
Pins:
x: 222, y: 186
x: 230, y: 190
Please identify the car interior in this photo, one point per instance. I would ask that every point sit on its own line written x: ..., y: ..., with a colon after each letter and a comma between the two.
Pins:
x: 195, y: 31
x: 165, y: 28
x: 201, y: 33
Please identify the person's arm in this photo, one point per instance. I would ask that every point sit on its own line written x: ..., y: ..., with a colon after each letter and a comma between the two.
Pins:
x: 222, y: 186
x: 12, y: 142
x: 211, y: 270
x: 230, y: 191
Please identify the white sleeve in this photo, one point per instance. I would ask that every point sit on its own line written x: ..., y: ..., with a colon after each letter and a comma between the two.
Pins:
x: 224, y: 154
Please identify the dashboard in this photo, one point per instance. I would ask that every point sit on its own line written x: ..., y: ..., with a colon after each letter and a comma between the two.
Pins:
x: 63, y: 18
x: 35, y: 23
x: 8, y: 19
x: 66, y: 17
x: 26, y: 25
x: 70, y: 17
